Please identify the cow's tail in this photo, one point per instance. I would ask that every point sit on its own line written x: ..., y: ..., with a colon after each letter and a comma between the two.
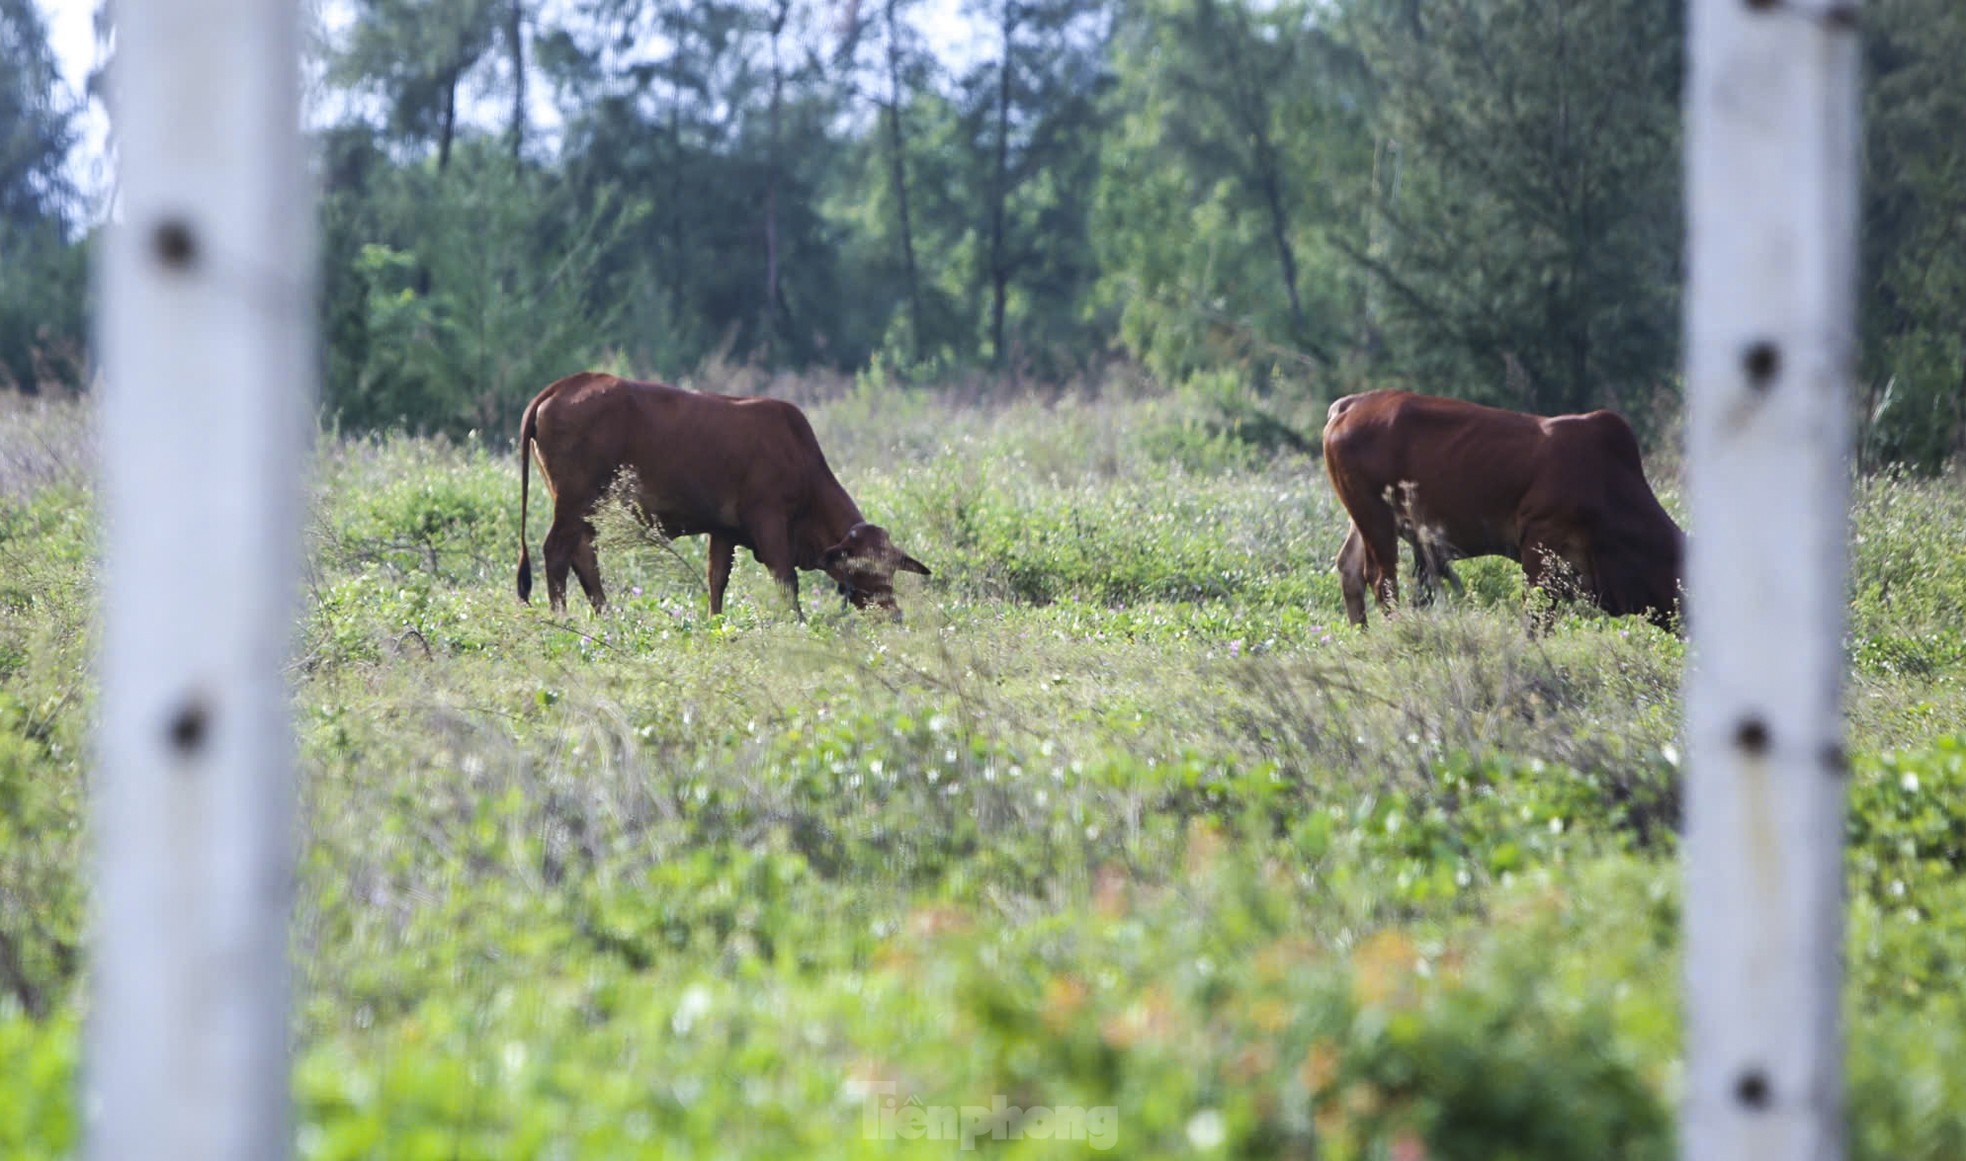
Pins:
x: 528, y: 428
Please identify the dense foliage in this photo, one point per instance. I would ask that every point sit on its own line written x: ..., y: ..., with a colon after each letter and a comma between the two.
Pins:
x: 43, y: 265
x: 1122, y: 818
x: 1294, y: 197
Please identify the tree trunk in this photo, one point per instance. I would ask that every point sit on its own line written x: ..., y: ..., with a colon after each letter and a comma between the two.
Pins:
x: 1272, y: 183
x: 450, y: 121
x: 515, y: 42
x: 1573, y: 193
x: 676, y: 267
x: 1959, y: 416
x: 1252, y: 109
x: 898, y: 169
x: 1000, y: 190
x: 774, y: 298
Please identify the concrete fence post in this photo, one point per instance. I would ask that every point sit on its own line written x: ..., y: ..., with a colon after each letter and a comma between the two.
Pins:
x: 204, y: 334
x: 1771, y: 149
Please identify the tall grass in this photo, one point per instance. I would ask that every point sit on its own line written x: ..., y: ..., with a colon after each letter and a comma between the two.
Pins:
x: 1123, y: 816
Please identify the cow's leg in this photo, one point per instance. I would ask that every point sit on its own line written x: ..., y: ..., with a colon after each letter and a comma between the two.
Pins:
x: 561, y: 541
x: 1423, y: 569
x: 587, y: 566
x: 1431, y: 565
x: 774, y: 551
x: 1351, y: 575
x: 1381, y: 554
x: 1408, y: 527
x: 721, y: 548
x: 788, y: 587
x: 1444, y: 566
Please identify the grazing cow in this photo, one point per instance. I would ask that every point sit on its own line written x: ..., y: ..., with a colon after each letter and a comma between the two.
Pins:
x: 1562, y: 495
x: 747, y: 472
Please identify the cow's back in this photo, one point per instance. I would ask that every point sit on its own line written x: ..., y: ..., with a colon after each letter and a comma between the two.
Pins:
x: 701, y: 460
x: 1591, y: 466
x: 1460, y: 468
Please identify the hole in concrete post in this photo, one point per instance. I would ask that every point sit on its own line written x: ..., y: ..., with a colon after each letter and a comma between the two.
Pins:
x: 189, y: 727
x: 1753, y: 1090
x: 1763, y: 362
x: 175, y: 244
x: 1752, y: 736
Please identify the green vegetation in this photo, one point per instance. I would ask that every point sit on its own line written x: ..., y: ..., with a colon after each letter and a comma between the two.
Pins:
x: 1290, y: 197
x: 43, y: 264
x: 1123, y: 817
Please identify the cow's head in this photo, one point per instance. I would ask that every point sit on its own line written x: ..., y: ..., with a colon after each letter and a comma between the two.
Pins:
x: 1665, y: 599
x: 863, y: 565
x: 1647, y: 582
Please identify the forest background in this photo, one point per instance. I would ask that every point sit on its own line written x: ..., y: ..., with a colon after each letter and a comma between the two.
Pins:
x: 1264, y: 202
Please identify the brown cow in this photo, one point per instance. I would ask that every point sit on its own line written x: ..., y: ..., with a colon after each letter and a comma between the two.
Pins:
x: 745, y: 471
x: 1566, y: 494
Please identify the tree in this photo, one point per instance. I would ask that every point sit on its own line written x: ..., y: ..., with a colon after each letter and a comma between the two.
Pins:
x: 38, y: 119
x: 640, y: 82
x: 515, y: 50
x: 793, y: 135
x: 720, y: 120
x: 1245, y: 72
x: 1529, y: 241
x: 1236, y: 133
x: 43, y: 294
x: 902, y: 74
x: 1913, y: 323
x: 777, y: 16
x: 454, y: 301
x: 1029, y: 125
x: 414, y: 55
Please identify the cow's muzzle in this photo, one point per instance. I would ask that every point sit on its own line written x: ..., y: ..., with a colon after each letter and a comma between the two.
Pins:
x: 860, y: 598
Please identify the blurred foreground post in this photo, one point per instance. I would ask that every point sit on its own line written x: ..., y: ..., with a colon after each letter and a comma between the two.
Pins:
x: 1771, y: 101
x: 205, y: 341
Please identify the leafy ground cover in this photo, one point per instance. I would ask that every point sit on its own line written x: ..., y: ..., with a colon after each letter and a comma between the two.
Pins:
x: 1123, y: 827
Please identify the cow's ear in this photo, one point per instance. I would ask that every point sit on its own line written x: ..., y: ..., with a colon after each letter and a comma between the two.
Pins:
x: 910, y: 564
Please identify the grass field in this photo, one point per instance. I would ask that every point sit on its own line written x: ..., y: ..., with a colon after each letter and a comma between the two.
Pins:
x: 1124, y: 827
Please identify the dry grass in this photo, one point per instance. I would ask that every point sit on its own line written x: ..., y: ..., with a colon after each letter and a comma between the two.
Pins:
x: 45, y: 442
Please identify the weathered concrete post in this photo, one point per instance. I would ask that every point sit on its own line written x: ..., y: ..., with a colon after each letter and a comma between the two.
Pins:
x: 1771, y: 148
x: 207, y: 402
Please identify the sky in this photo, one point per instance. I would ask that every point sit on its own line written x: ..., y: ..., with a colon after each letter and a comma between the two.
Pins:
x: 72, y: 33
